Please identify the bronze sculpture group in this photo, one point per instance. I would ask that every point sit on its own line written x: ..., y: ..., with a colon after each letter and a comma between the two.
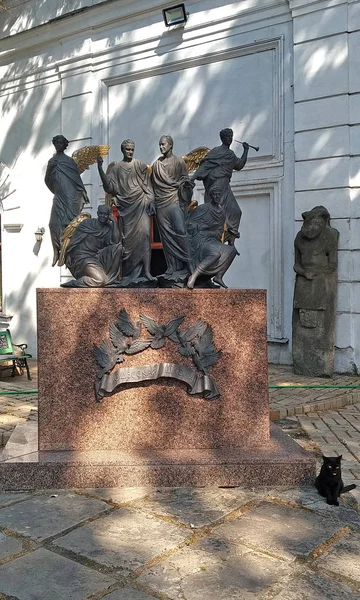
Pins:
x: 198, y: 244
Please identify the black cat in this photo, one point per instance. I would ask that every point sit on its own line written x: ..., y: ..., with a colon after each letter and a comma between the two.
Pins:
x: 329, y: 483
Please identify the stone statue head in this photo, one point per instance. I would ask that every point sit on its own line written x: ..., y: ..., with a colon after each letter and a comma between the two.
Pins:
x: 128, y: 149
x: 315, y: 221
x: 103, y: 213
x: 60, y: 142
x: 166, y: 143
x: 215, y: 194
x: 226, y: 136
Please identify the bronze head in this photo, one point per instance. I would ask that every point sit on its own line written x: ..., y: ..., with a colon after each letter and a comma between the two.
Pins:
x: 226, y: 136
x: 60, y: 142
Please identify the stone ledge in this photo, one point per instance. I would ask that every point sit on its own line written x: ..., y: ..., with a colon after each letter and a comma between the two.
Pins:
x: 280, y: 462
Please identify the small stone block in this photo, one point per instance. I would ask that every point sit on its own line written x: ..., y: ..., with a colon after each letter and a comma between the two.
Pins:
x: 266, y: 528
x: 44, y: 575
x: 8, y: 546
x: 216, y: 568
x: 312, y: 585
x: 343, y: 558
x: 42, y: 516
x: 195, y: 507
x: 125, y: 539
x: 128, y: 593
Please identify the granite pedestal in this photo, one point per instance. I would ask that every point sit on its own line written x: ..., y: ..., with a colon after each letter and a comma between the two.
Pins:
x: 154, y: 432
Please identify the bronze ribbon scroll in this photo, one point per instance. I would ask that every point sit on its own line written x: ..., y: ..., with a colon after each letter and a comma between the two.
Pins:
x: 197, y: 384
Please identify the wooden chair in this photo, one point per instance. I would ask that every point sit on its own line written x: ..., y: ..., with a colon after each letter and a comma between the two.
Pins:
x: 18, y: 359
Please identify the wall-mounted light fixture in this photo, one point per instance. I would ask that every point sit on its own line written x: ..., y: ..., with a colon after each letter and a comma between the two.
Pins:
x: 39, y: 234
x: 175, y: 15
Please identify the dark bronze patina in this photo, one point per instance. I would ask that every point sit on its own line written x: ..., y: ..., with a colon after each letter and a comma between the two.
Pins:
x: 195, y: 342
x: 217, y: 167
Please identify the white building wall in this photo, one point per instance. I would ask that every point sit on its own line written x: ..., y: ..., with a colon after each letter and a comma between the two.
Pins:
x: 113, y: 70
x: 327, y: 149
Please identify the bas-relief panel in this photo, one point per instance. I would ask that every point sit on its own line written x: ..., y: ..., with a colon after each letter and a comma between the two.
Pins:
x: 193, y: 104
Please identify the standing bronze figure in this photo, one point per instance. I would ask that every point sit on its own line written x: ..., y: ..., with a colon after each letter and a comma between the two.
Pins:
x: 63, y: 180
x: 217, y: 167
x: 129, y: 183
x: 173, y: 193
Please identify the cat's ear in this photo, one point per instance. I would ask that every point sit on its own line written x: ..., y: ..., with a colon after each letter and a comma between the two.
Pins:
x: 324, y: 458
x: 340, y: 457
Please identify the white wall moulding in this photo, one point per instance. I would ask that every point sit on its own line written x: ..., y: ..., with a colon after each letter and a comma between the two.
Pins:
x: 322, y: 65
x: 322, y: 113
x: 322, y: 143
x: 116, y: 13
x: 325, y: 173
x: 114, y: 71
x: 354, y: 62
x: 328, y: 21
x: 262, y: 247
x: 336, y: 201
x: 194, y: 99
x: 303, y: 7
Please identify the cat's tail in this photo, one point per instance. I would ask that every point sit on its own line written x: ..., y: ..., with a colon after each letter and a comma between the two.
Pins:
x: 347, y: 488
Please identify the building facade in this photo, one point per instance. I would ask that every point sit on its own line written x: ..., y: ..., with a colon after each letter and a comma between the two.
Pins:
x: 284, y: 74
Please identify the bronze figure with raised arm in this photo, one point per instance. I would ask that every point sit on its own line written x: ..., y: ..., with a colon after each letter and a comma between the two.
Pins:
x: 217, y: 167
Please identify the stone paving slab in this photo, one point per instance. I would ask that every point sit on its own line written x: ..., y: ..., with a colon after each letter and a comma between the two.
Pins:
x: 284, y: 532
x: 343, y: 558
x: 311, y: 586
x: 43, y: 516
x: 118, y: 495
x: 194, y: 507
x: 8, y: 546
x: 215, y: 568
x: 125, y: 539
x: 128, y: 593
x: 43, y: 575
x: 10, y: 497
x: 307, y: 497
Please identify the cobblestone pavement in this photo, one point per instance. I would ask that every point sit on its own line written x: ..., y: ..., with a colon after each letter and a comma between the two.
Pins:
x: 295, y: 401
x: 178, y: 544
x: 17, y: 408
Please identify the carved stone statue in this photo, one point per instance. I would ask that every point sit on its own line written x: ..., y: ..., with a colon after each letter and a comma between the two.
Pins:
x: 129, y: 182
x: 63, y: 180
x: 217, y: 167
x: 173, y: 193
x: 212, y: 258
x: 314, y: 308
x: 93, y: 255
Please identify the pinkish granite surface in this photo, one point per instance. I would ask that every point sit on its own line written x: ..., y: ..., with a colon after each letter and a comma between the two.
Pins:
x: 282, y: 462
x: 153, y: 415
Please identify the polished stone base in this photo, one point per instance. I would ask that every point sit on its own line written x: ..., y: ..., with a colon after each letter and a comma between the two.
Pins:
x: 155, y: 414
x: 280, y: 462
